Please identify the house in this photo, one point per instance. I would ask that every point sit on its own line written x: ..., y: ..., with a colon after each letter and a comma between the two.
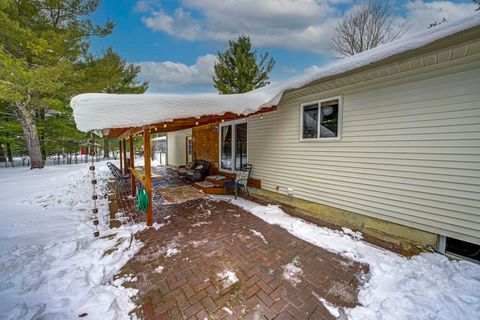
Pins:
x: 386, y: 142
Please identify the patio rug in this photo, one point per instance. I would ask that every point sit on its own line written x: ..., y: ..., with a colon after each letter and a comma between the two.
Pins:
x: 180, y: 194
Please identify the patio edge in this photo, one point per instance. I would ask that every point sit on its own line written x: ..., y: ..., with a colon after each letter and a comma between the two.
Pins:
x: 405, y: 240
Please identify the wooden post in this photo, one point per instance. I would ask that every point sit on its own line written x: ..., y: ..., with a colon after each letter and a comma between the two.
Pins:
x: 121, y: 157
x: 124, y: 156
x: 132, y: 167
x: 148, y: 174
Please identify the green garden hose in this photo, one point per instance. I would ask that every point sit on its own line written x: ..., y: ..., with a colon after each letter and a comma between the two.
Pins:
x: 141, y: 200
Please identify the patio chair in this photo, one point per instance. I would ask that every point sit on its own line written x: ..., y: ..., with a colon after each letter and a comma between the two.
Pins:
x: 119, y: 177
x: 182, y: 170
x: 199, y: 171
x: 241, y: 180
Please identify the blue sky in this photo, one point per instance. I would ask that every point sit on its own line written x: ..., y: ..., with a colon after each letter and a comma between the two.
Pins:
x: 175, y: 42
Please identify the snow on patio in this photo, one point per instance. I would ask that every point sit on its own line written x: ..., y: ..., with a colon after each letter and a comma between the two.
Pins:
x: 51, y: 266
x: 427, y: 286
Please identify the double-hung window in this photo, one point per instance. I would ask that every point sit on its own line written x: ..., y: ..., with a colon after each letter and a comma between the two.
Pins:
x: 321, y: 120
x: 233, y: 145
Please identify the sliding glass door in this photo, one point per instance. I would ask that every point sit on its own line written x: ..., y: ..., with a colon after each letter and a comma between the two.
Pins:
x: 226, y: 148
x: 233, y: 145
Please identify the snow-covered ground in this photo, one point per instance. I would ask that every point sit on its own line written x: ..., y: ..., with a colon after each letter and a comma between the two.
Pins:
x: 51, y: 265
x: 427, y: 286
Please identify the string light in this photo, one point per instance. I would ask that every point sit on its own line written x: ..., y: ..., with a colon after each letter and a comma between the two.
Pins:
x: 164, y: 125
x: 196, y: 123
x: 223, y: 120
x: 261, y: 116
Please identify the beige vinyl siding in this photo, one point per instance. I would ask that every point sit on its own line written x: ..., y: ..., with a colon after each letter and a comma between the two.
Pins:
x: 409, y: 152
x: 176, y: 147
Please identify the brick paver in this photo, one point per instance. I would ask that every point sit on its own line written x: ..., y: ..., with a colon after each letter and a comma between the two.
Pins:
x: 205, y: 241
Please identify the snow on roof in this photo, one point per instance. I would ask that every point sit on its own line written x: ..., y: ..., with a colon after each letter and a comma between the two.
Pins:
x: 96, y: 111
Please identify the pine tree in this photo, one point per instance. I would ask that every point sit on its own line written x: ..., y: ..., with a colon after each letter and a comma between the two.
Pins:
x: 239, y: 69
x: 44, y: 61
x: 108, y: 73
x: 39, y: 40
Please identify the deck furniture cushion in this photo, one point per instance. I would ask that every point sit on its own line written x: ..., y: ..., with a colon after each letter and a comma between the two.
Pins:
x: 200, y: 172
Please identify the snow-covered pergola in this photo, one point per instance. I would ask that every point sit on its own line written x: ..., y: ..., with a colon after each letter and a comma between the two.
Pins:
x: 126, y: 115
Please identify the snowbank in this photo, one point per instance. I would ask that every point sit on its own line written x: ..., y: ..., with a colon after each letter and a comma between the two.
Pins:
x: 427, y: 286
x: 51, y: 266
x: 96, y: 111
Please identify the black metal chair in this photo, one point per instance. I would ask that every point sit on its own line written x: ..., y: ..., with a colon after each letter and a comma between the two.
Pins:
x: 119, y: 177
x: 241, y: 180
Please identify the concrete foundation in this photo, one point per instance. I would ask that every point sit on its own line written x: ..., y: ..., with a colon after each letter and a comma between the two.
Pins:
x: 407, y: 238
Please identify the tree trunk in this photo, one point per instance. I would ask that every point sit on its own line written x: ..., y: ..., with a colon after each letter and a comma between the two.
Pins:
x: 10, y: 154
x: 106, y: 148
x: 2, y: 154
x: 39, y: 117
x: 31, y: 137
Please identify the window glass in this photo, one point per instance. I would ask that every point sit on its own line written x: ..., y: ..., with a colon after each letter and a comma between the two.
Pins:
x: 226, y: 148
x: 329, y: 119
x: 310, y: 122
x: 189, y: 149
x: 240, y: 145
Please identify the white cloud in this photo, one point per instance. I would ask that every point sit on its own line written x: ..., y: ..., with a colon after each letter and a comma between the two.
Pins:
x: 421, y: 13
x: 298, y: 24
x: 304, y: 25
x: 174, y: 75
x: 146, y: 5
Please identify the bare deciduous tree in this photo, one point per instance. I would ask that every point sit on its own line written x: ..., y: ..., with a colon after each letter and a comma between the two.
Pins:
x: 366, y: 26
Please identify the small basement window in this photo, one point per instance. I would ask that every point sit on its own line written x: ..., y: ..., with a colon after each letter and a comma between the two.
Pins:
x: 321, y: 119
x: 462, y: 249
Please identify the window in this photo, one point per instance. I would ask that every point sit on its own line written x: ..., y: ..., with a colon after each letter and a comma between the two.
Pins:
x: 464, y: 249
x: 321, y: 119
x: 226, y: 148
x: 189, y: 147
x: 310, y: 121
x: 240, y: 145
x: 233, y: 145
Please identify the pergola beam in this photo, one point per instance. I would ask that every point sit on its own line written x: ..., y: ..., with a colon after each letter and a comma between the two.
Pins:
x: 185, y: 123
x: 148, y: 174
x: 124, y: 145
x: 120, y: 155
x: 132, y: 166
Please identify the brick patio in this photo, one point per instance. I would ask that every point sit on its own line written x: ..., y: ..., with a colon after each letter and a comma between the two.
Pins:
x: 182, y: 270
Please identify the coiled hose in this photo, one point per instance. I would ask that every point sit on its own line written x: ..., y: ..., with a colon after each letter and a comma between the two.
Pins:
x: 141, y: 199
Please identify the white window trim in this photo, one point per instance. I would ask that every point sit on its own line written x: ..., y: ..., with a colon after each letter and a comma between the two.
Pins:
x: 340, y: 120
x: 234, y: 133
